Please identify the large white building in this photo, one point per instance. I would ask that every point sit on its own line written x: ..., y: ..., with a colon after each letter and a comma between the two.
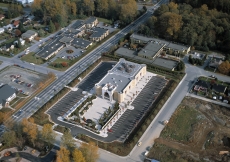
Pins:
x: 121, y: 79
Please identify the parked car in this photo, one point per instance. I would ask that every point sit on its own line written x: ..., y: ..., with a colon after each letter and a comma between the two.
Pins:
x: 214, y: 97
x: 139, y: 143
x: 146, y: 153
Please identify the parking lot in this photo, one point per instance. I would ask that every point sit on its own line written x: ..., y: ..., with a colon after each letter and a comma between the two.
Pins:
x: 23, y: 80
x: 129, y: 120
x: 61, y: 107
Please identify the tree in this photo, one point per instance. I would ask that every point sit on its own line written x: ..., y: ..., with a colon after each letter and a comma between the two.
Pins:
x: 67, y: 140
x: 224, y: 68
x: 9, y: 138
x: 17, y: 32
x: 2, y: 117
x: 78, y: 156
x: 89, y: 151
x: 19, y: 44
x: 48, y: 134
x: 88, y: 6
x: 51, y: 27
x: 73, y: 8
x: 30, y: 129
x: 102, y: 7
x: 63, y: 155
x: 20, y: 27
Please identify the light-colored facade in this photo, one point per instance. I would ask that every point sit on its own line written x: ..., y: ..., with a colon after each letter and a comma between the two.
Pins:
x: 29, y: 34
x: 121, y: 79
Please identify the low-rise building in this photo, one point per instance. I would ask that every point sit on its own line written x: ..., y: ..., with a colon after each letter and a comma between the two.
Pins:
x: 29, y: 35
x: 21, y: 40
x: 165, y: 63
x: 78, y: 25
x: 91, y: 22
x: 81, y: 43
x: 151, y: 50
x: 98, y: 34
x: 219, y: 88
x: 177, y: 48
x: 120, y: 80
x: 201, y: 85
x: 7, y: 94
x: 215, y: 61
x: 8, y: 47
x: 51, y: 49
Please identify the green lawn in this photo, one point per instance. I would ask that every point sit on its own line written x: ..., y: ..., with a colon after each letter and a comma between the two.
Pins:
x: 180, y: 125
x: 60, y: 60
x: 210, y: 79
x: 105, y: 20
x: 32, y: 59
x: 4, y: 4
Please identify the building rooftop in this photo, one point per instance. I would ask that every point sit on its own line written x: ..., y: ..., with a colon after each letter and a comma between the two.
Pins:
x: 125, y: 52
x: 121, y: 74
x: 50, y: 48
x: 219, y: 88
x: 90, y: 20
x: 29, y: 33
x: 78, y: 24
x: 81, y: 42
x: 66, y: 39
x: 98, y: 32
x: 151, y: 49
x: 198, y: 55
x: 202, y: 83
x: 165, y: 63
x: 177, y: 47
x: 5, y: 92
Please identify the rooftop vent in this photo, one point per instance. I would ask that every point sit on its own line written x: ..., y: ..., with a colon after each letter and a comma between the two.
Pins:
x: 46, y: 51
x: 120, y: 80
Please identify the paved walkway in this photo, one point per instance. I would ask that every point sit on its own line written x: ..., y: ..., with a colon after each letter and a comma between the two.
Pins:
x: 208, y: 100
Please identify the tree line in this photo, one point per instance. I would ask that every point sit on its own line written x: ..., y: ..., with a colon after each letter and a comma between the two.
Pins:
x: 202, y: 27
x: 27, y: 132
x: 63, y: 10
x: 220, y: 5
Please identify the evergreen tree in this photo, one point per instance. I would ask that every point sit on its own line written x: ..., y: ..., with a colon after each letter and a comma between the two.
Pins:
x: 51, y: 27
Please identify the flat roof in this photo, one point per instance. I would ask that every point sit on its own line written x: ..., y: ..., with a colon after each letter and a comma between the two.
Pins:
x: 50, y: 48
x: 169, y: 64
x: 121, y: 74
x: 177, y: 46
x: 125, y: 52
x: 98, y: 32
x: 150, y: 49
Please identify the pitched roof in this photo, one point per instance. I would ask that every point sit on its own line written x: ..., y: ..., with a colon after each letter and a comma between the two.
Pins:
x: 16, y: 22
x: 219, y: 88
x: 5, y: 92
x: 90, y: 20
x: 202, y: 83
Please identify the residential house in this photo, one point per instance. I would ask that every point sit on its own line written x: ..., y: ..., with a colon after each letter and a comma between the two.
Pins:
x: 1, y: 30
x: 74, y: 32
x: 7, y: 94
x: 8, y: 28
x: 21, y: 40
x: 98, y: 34
x: 220, y: 89
x: 2, y: 17
x: 29, y: 34
x: 78, y: 25
x: 16, y: 23
x: 91, y: 22
x: 201, y: 85
x: 215, y: 61
x: 8, y: 47
x: 25, y: 21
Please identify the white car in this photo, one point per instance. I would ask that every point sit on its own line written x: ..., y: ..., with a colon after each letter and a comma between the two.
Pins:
x: 139, y: 143
x: 214, y: 97
x: 27, y: 51
x: 63, y: 57
x: 146, y: 153
x: 32, y: 63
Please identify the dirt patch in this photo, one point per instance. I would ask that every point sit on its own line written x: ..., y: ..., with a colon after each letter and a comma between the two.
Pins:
x: 23, y: 80
x: 197, y: 131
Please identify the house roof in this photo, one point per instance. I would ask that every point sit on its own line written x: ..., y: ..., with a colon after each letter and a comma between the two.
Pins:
x: 98, y: 32
x: 150, y: 49
x: 202, y: 83
x: 90, y: 20
x: 219, y: 88
x: 125, y: 52
x: 165, y: 63
x: 29, y: 33
x: 5, y: 92
x: 16, y: 22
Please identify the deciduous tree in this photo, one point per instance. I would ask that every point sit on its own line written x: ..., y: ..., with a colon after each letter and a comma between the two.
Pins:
x: 224, y: 68
x: 63, y: 155
x: 48, y: 134
x: 67, y: 140
x: 9, y: 138
x: 78, y: 156
x: 89, y: 151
